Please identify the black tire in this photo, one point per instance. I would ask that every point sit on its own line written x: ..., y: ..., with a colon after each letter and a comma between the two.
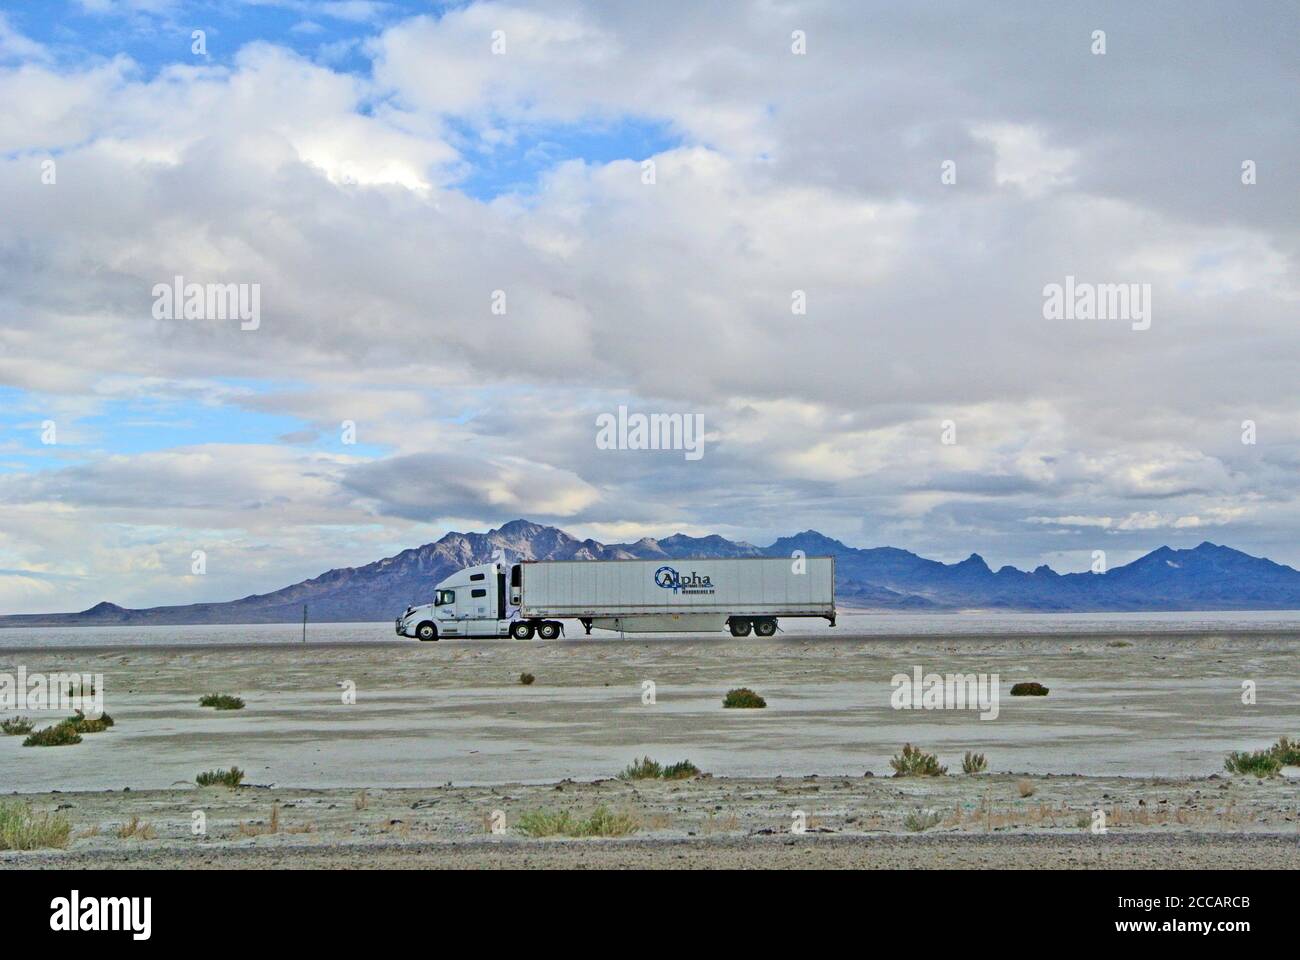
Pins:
x: 765, y: 626
x: 740, y: 627
x: 548, y: 630
x: 426, y: 631
x: 521, y: 630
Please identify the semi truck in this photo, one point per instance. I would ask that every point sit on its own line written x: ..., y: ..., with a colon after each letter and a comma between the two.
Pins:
x: 533, y: 598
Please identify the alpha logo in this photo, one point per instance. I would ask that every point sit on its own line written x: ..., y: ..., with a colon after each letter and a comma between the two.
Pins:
x: 670, y: 579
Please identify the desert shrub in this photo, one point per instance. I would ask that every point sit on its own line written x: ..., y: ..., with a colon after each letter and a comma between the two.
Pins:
x: 974, y: 763
x: 921, y: 820
x: 526, y: 679
x: 1261, y: 763
x: 220, y: 778
x: 1287, y: 752
x: 62, y: 734
x: 915, y: 762
x: 21, y: 829
x: 84, y: 724
x: 681, y: 770
x: 1030, y: 689
x: 643, y: 769
x: 221, y: 701
x: 743, y: 697
x: 648, y: 769
x: 546, y: 823
x: 601, y: 823
x: 1024, y: 788
x: 16, y: 726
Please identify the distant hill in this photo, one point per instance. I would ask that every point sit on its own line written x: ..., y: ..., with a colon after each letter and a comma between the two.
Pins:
x: 1208, y: 577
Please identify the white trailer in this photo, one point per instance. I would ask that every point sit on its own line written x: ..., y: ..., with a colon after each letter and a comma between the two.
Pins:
x: 742, y: 594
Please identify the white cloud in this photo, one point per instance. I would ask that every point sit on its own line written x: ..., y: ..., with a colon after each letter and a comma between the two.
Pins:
x: 336, y: 193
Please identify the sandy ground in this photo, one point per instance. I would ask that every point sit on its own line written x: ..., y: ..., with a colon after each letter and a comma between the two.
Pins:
x: 1136, y: 726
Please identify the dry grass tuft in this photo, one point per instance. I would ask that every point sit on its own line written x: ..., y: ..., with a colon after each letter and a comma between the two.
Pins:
x: 136, y: 829
x: 21, y: 829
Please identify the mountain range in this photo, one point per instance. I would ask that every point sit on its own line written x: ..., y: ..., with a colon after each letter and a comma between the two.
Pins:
x: 1207, y: 577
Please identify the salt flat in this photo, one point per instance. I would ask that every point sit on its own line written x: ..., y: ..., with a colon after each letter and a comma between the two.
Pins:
x: 441, y: 735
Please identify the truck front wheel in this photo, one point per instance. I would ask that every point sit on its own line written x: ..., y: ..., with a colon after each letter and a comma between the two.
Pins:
x: 765, y: 626
x: 739, y: 627
x: 426, y: 631
x: 521, y: 630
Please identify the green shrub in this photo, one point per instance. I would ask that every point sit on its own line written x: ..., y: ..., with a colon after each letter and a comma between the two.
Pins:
x: 1030, y: 689
x: 1287, y: 752
x: 915, y: 762
x: 681, y: 770
x: 643, y: 769
x: 1262, y: 763
x: 20, y: 829
x: 922, y: 820
x: 601, y: 823
x: 221, y: 701
x: 62, y: 734
x: 526, y: 679
x: 1265, y: 763
x: 743, y: 697
x: 224, y: 778
x: 16, y: 726
x: 974, y: 763
x: 648, y: 769
x: 84, y: 724
x: 546, y: 823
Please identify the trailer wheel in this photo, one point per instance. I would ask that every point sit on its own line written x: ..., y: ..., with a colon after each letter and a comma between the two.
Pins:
x: 548, y: 629
x: 739, y: 627
x: 765, y: 626
x: 426, y: 631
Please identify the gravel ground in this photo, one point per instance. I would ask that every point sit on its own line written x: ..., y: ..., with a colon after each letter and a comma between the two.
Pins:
x: 996, y: 820
x: 1190, y: 851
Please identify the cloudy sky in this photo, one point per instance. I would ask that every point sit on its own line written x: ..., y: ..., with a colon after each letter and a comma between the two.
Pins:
x: 461, y: 249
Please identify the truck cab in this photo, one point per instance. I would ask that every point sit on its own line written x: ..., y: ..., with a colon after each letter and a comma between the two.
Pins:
x: 481, y: 601
x: 470, y: 603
